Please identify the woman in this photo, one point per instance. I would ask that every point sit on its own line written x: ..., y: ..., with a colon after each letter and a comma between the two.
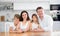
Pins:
x: 25, y: 21
x: 35, y: 23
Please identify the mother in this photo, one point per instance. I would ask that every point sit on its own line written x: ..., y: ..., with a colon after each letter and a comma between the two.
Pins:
x: 25, y: 21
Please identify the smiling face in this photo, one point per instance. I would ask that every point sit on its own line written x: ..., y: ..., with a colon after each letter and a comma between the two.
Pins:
x: 24, y: 15
x: 40, y: 12
x: 34, y: 18
x: 16, y: 21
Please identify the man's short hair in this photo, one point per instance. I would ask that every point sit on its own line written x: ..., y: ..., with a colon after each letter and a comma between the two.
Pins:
x: 39, y: 8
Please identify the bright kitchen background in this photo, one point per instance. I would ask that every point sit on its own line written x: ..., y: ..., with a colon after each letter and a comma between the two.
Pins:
x: 8, y: 8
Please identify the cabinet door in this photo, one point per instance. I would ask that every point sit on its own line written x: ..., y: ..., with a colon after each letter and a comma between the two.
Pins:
x: 2, y: 18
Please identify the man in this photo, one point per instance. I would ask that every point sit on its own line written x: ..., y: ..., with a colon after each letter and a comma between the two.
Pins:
x: 45, y: 21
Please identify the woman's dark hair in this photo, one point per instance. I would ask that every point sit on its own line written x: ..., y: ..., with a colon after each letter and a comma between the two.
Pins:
x: 21, y: 19
x: 17, y: 16
x: 36, y: 18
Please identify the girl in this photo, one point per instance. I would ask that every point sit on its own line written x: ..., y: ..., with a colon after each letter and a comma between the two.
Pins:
x: 15, y: 28
x: 35, y: 23
x: 25, y: 21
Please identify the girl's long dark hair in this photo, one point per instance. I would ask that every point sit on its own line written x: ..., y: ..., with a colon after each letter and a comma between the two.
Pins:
x: 21, y: 19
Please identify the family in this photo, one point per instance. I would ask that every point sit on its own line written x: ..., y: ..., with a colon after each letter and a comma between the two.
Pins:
x: 40, y: 22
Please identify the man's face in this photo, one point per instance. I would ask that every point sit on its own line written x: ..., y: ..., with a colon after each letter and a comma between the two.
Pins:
x: 40, y: 12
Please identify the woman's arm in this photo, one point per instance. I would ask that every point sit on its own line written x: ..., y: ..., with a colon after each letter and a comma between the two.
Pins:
x: 30, y: 28
x: 19, y: 30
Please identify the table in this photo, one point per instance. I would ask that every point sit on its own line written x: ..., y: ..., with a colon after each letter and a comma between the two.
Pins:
x: 2, y: 33
x: 26, y: 34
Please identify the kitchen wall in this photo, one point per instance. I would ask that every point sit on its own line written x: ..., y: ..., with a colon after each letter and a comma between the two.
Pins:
x: 31, y: 5
x: 54, y: 1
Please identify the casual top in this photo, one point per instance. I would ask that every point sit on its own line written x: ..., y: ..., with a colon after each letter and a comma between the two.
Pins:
x: 46, y: 23
x: 34, y: 26
x: 23, y: 27
x: 13, y: 26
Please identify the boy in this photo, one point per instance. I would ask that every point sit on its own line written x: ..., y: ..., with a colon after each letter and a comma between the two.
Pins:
x: 15, y: 27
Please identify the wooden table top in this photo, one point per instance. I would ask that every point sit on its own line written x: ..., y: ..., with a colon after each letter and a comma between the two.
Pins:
x: 26, y: 34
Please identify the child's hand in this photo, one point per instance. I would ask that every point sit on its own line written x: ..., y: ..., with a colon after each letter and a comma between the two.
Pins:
x: 11, y: 28
x: 35, y: 30
x: 17, y: 27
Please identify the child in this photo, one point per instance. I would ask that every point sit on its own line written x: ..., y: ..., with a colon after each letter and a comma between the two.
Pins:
x: 35, y: 23
x: 15, y: 27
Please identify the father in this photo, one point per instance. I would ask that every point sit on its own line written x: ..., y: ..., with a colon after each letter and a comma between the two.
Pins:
x: 45, y: 20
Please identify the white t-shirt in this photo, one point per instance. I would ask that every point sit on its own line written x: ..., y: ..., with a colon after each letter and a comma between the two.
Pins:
x: 34, y: 26
x: 46, y: 23
x: 24, y: 27
x: 13, y: 26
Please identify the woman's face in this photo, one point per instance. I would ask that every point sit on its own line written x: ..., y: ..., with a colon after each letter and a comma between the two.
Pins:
x: 34, y: 18
x: 24, y: 15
